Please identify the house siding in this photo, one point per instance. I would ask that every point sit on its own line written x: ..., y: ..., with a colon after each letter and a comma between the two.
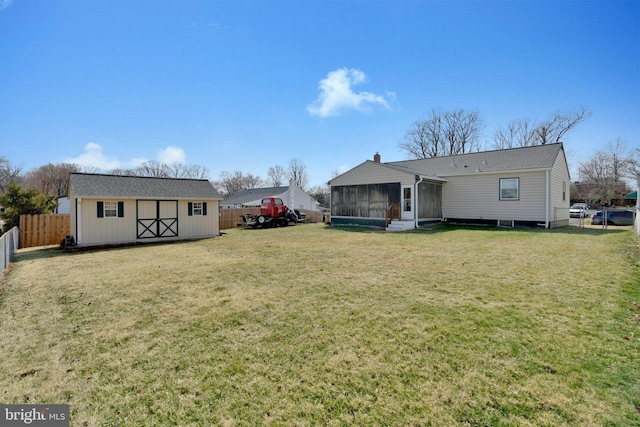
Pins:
x: 373, y: 173
x: 560, y: 182
x: 479, y: 198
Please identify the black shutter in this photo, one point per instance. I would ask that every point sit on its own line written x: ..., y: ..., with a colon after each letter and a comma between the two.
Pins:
x: 100, y: 209
x: 120, y: 209
x: 190, y: 209
x: 204, y: 208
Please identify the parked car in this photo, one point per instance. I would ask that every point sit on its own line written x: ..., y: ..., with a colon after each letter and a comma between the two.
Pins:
x: 614, y: 217
x: 576, y: 209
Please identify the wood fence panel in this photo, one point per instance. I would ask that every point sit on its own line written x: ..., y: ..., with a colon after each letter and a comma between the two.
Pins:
x: 231, y: 217
x: 43, y: 230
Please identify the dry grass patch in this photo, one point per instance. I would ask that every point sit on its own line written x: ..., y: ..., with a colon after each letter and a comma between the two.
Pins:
x: 319, y: 325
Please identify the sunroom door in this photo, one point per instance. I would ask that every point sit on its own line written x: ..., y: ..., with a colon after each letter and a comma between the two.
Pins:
x: 406, y: 210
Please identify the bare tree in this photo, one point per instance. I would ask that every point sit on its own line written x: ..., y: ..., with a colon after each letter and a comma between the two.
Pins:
x: 276, y: 176
x: 180, y: 170
x: 443, y: 134
x: 298, y: 173
x: 426, y: 137
x: 606, y: 171
x: 232, y: 183
x: 321, y: 194
x: 51, y: 179
x: 526, y: 133
x: 8, y: 174
x: 153, y: 169
x: 163, y: 170
x: 517, y: 133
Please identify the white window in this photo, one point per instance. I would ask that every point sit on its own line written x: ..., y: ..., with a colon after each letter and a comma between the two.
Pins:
x: 197, y: 208
x: 110, y: 209
x: 509, y: 188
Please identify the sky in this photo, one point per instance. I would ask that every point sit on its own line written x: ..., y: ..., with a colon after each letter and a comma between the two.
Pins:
x: 248, y: 85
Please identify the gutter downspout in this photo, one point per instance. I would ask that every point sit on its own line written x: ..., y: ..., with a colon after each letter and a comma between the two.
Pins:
x: 415, y: 192
x: 546, y: 210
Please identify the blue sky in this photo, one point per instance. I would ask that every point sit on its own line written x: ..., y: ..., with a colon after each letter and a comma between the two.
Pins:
x: 247, y: 85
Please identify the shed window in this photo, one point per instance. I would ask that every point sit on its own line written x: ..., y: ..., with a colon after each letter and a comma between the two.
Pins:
x: 509, y: 188
x: 197, y: 208
x: 110, y: 209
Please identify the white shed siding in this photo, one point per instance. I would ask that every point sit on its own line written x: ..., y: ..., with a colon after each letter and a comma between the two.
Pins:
x: 106, y: 230
x: 373, y: 173
x: 198, y: 226
x: 464, y: 197
x: 99, y: 231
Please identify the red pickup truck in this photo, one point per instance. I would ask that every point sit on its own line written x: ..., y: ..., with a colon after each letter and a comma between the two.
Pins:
x: 273, y: 213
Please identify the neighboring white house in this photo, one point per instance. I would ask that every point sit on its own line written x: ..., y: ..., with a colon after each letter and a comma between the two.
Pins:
x: 114, y: 209
x: 292, y: 196
x: 515, y: 187
x: 64, y: 206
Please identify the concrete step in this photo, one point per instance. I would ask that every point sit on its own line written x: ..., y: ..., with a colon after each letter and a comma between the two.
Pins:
x: 396, y: 225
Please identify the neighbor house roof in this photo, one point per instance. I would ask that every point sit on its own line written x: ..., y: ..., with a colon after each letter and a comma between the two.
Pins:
x: 131, y: 187
x: 250, y: 195
x: 537, y: 157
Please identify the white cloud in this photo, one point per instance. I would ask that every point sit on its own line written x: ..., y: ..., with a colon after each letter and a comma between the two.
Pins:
x: 93, y: 157
x: 172, y: 155
x: 336, y: 94
x: 5, y: 4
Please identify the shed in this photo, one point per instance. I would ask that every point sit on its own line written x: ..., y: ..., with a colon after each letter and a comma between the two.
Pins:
x: 513, y: 187
x: 115, y: 209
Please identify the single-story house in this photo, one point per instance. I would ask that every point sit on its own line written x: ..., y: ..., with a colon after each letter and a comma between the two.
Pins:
x: 292, y: 196
x: 115, y: 209
x: 526, y: 186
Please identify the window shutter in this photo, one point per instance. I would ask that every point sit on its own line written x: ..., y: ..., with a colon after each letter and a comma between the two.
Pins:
x: 100, y: 209
x: 204, y: 208
x: 190, y: 209
x: 120, y: 209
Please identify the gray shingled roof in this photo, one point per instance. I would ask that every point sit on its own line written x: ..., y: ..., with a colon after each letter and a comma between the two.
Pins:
x: 252, y: 194
x: 526, y: 158
x: 135, y: 187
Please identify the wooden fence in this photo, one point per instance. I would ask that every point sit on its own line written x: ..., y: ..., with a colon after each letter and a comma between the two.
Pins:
x: 231, y: 217
x: 43, y: 230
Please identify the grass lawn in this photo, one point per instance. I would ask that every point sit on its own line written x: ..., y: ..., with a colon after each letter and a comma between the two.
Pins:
x: 317, y: 325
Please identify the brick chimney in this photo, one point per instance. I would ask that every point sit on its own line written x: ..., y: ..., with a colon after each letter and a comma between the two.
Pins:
x: 376, y: 157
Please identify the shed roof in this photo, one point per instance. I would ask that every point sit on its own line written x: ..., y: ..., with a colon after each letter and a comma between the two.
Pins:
x: 137, y: 187
x: 537, y: 157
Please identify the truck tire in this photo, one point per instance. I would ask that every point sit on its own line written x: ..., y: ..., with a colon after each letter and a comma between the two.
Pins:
x: 261, y: 219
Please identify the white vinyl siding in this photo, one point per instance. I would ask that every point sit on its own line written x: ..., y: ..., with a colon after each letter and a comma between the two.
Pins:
x: 373, y: 173
x: 477, y: 197
x: 559, y: 209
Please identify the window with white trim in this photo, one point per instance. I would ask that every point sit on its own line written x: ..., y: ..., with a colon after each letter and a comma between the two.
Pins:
x: 110, y: 209
x: 509, y: 188
x: 197, y: 209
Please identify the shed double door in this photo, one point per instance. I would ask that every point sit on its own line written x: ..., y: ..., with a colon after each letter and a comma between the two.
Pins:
x: 157, y: 218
